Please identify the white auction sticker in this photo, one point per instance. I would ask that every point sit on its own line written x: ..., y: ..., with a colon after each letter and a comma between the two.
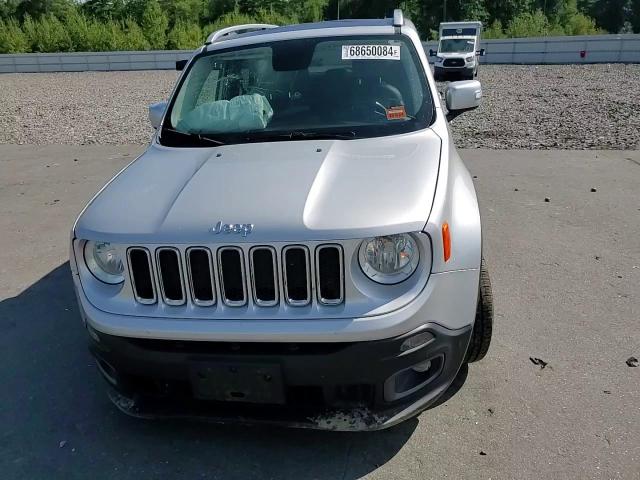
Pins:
x: 371, y: 52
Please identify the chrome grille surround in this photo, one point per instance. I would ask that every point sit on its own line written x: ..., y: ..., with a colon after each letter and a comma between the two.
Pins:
x: 144, y: 301
x: 165, y: 299
x: 274, y: 257
x: 243, y: 276
x: 212, y: 274
x: 310, y: 285
x: 326, y: 301
x: 289, y: 300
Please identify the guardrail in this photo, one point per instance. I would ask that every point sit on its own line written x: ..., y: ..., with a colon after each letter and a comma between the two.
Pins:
x: 92, y: 61
x: 527, y: 51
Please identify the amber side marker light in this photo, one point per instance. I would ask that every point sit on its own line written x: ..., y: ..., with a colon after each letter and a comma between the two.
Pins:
x: 446, y: 241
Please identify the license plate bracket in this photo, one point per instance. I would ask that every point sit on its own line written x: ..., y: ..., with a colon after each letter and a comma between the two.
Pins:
x: 238, y: 382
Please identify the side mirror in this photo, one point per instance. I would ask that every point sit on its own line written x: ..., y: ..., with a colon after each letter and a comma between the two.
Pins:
x: 156, y: 112
x: 481, y: 52
x: 180, y: 64
x: 462, y: 96
x: 432, y: 53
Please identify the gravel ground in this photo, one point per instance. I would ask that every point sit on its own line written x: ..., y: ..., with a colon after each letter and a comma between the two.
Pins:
x: 532, y: 107
x: 555, y: 107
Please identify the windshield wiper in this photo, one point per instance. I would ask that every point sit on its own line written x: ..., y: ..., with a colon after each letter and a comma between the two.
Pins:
x: 197, y: 136
x: 298, y: 135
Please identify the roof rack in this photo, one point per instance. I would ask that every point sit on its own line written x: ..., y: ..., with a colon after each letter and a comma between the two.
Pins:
x: 398, y: 18
x: 219, y: 35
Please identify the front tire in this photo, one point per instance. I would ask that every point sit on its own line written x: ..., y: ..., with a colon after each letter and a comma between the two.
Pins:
x: 483, y: 325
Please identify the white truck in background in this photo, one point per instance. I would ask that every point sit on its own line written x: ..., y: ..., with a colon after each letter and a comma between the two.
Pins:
x: 458, y: 50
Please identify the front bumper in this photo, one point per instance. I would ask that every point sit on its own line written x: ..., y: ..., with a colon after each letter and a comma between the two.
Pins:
x: 467, y: 70
x: 366, y: 385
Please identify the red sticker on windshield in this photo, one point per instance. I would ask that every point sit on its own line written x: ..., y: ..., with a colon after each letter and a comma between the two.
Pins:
x: 396, y: 113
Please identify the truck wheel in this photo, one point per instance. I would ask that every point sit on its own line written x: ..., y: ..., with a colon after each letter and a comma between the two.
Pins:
x: 483, y: 325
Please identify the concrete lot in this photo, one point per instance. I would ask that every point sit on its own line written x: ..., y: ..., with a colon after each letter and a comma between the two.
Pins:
x: 565, y: 274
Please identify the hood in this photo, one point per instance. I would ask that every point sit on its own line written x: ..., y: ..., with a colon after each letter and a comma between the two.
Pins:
x: 288, y: 191
x: 454, y: 54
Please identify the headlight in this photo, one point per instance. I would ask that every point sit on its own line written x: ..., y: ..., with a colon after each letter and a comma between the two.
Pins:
x: 469, y: 59
x: 104, y: 261
x: 390, y: 259
x: 439, y: 59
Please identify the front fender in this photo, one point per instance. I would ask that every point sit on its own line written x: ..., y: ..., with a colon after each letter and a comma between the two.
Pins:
x: 455, y: 203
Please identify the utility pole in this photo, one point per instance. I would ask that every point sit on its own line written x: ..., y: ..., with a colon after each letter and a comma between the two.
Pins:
x: 444, y: 11
x: 338, y: 9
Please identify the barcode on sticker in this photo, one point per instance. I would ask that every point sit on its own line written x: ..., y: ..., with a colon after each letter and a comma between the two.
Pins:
x: 371, y: 52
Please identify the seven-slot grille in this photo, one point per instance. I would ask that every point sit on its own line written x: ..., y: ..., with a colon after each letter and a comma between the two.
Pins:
x: 206, y: 276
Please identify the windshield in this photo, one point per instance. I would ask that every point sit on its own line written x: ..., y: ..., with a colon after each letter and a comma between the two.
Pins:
x: 456, y: 45
x: 333, y: 87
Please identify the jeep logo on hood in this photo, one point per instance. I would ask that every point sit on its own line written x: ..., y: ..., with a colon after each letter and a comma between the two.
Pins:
x: 242, y: 228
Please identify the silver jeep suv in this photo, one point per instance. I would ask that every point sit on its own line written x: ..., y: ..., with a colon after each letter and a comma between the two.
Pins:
x: 299, y: 244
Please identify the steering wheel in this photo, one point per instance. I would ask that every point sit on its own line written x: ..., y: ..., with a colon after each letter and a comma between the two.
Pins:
x: 386, y: 96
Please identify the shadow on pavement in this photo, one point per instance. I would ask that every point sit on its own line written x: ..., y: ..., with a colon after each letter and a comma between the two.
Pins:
x: 454, y: 388
x: 58, y: 423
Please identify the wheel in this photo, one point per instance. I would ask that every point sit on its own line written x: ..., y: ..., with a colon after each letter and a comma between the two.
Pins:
x: 483, y: 325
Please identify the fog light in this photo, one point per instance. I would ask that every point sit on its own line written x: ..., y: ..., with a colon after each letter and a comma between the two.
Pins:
x: 416, y: 341
x: 422, y: 367
x: 411, y: 379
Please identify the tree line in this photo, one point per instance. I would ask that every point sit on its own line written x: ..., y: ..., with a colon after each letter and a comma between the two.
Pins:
x: 109, y: 25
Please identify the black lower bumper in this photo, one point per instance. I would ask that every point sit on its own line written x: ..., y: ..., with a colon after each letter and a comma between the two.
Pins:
x: 338, y: 386
x: 443, y: 72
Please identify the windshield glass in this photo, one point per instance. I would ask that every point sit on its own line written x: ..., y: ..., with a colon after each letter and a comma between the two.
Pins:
x: 456, y: 45
x: 330, y: 87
